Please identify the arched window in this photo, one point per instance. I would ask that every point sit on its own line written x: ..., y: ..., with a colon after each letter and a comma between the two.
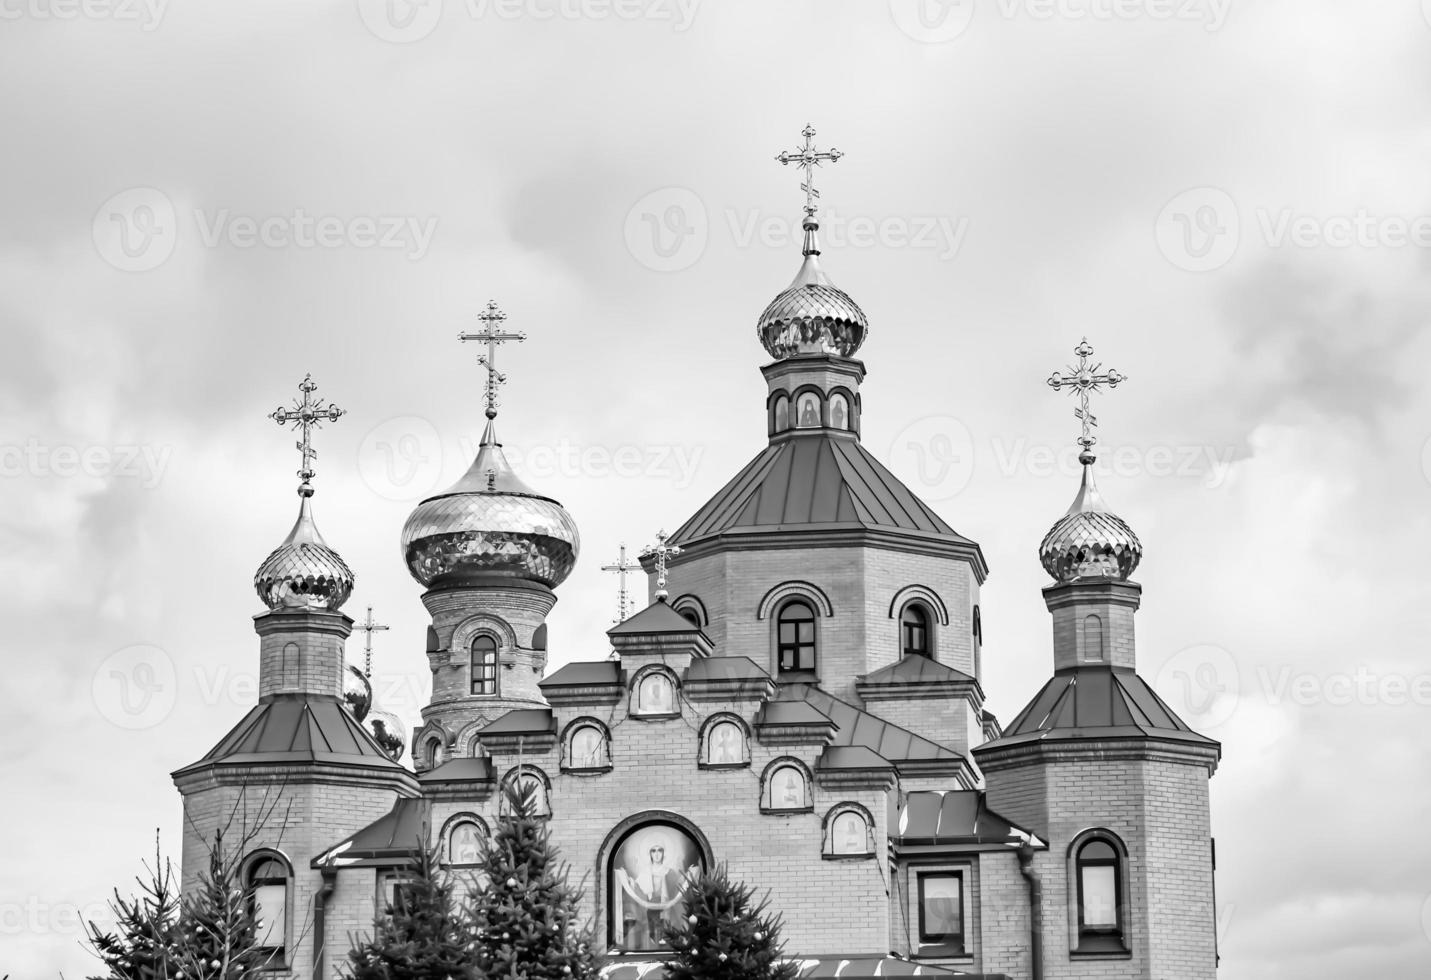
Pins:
x: 725, y: 744
x: 651, y: 867
x: 432, y: 752
x: 808, y: 411
x: 848, y: 832
x: 839, y: 411
x: 978, y: 630
x: 795, y: 627
x: 1093, y: 638
x: 528, y: 779
x: 655, y: 694
x: 587, y: 746
x: 1098, y: 875
x: 787, y: 787
x: 463, y: 841
x: 914, y: 631
x: 484, y: 665
x: 782, y: 414
x: 268, y: 877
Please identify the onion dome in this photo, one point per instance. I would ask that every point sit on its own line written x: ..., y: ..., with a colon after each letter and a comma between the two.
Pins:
x: 387, y: 730
x: 1090, y: 541
x: 303, y: 572
x: 357, y: 692
x: 812, y: 315
x: 489, y: 524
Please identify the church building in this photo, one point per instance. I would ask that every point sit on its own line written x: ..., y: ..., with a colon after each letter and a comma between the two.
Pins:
x: 801, y: 698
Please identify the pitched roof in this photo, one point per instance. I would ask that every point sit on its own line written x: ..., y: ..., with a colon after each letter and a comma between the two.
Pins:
x: 725, y: 669
x: 859, y: 727
x: 464, y: 770
x: 521, y: 721
x: 391, y: 839
x: 1097, y: 701
x: 585, y: 674
x: 953, y: 817
x: 851, y: 757
x: 814, y: 478
x: 914, y: 669
x: 658, y: 617
x: 297, y: 729
x: 790, y: 713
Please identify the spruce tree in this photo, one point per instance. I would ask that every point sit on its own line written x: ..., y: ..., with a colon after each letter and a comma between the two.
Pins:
x: 726, y: 935
x: 143, y: 945
x: 525, y: 914
x: 218, y: 928
x: 422, y: 935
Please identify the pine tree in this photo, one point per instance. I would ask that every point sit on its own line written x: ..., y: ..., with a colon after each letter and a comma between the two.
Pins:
x: 218, y: 929
x: 526, y: 912
x: 727, y: 935
x: 144, y: 942
x: 422, y: 935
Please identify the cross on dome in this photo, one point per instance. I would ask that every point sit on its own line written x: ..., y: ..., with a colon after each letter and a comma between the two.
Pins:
x: 307, y: 414
x: 369, y: 626
x: 807, y: 158
x: 661, y: 551
x: 492, y: 335
x: 621, y: 567
x: 1081, y: 381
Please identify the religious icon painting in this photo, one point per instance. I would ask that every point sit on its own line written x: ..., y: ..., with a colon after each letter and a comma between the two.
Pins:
x: 650, y: 871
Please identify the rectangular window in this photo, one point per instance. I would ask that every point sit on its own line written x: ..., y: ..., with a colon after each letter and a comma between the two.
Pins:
x: 1100, y: 897
x: 270, y: 905
x: 392, y: 889
x: 941, y: 908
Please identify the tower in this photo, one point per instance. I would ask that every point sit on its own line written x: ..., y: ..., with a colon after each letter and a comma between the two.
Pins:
x: 1101, y: 768
x: 489, y: 550
x: 816, y: 559
x: 299, y: 770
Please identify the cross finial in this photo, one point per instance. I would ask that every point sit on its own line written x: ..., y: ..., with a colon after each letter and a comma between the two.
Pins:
x: 661, y: 551
x: 492, y: 335
x: 1081, y: 381
x: 621, y: 566
x: 808, y: 158
x: 307, y: 414
x: 369, y: 626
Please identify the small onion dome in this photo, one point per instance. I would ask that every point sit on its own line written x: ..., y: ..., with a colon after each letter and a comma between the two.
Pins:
x: 1090, y: 541
x: 303, y: 572
x: 489, y: 524
x: 357, y: 692
x: 812, y: 315
x: 386, y: 729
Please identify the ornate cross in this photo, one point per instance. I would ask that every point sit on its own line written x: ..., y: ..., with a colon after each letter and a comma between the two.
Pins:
x: 492, y: 335
x: 1081, y: 381
x: 661, y: 551
x: 307, y: 413
x: 621, y: 566
x: 369, y: 626
x: 808, y: 158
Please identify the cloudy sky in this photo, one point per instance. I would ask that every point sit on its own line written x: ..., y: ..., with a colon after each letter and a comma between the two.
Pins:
x: 1230, y: 199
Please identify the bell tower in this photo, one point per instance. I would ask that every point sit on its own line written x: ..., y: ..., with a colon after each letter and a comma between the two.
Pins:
x: 489, y: 550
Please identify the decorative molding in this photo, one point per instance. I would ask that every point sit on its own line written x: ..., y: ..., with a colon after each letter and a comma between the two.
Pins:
x: 928, y: 596
x: 795, y: 588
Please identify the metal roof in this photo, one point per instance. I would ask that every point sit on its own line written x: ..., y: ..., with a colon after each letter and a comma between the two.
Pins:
x: 725, y: 669
x: 658, y: 617
x: 521, y: 721
x: 296, y: 729
x: 1097, y: 701
x: 464, y: 770
x: 952, y: 817
x: 585, y: 674
x: 790, y: 713
x: 914, y: 669
x: 814, y: 478
x: 858, y: 727
x: 393, y: 838
x: 851, y: 757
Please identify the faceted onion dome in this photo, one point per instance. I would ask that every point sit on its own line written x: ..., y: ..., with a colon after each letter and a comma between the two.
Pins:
x: 357, y: 692
x: 303, y: 572
x: 490, y: 523
x: 812, y: 315
x: 1090, y: 541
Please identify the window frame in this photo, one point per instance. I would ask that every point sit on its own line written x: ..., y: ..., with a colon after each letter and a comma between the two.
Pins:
x: 946, y: 943
x: 277, y: 957
x: 832, y: 816
x: 703, y: 759
x: 923, y: 612
x: 578, y: 725
x: 516, y: 772
x: 796, y: 646
x: 448, y: 828
x: 1095, y: 941
x: 643, y: 675
x: 489, y: 672
x: 767, y: 787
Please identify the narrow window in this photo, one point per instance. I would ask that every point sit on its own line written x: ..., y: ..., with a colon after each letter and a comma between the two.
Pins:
x: 809, y: 411
x: 1099, y: 923
x: 268, y: 891
x: 941, y: 908
x: 796, y: 640
x: 782, y: 414
x: 1093, y: 638
x: 484, y: 665
x: 839, y: 411
x: 914, y: 628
